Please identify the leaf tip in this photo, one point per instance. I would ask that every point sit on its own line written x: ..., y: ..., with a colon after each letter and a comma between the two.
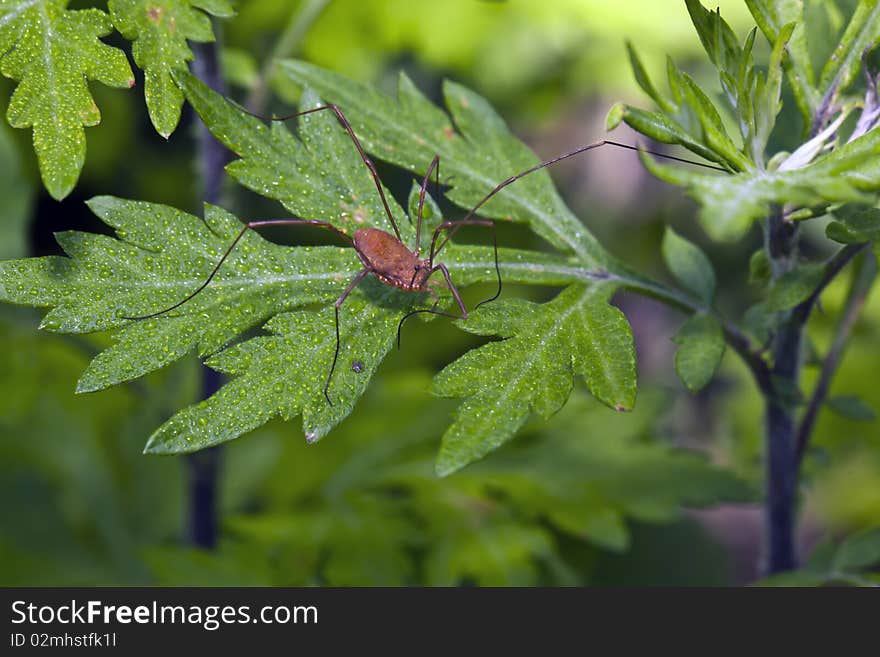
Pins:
x: 615, y: 116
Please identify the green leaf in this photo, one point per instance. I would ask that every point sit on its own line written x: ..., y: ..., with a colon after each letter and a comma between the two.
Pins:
x: 855, y: 224
x: 644, y: 81
x: 53, y: 53
x: 409, y: 131
x: 794, y: 286
x: 843, y: 65
x: 701, y: 347
x: 771, y: 16
x: 164, y: 255
x: 689, y: 265
x: 239, y: 67
x: 531, y: 369
x: 17, y: 193
x: 159, y: 30
x: 717, y: 38
x: 731, y: 203
x: 852, y: 407
x: 714, y: 133
x: 858, y: 551
x: 660, y: 127
x: 768, y: 101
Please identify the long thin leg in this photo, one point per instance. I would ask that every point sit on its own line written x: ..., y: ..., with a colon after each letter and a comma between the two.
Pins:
x: 345, y: 124
x: 578, y: 151
x: 449, y: 284
x: 357, y: 279
x: 245, y: 228
x: 451, y: 228
x: 435, y: 164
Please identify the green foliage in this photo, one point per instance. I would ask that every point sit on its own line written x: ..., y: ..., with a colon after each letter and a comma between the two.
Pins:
x: 531, y: 368
x: 689, y: 265
x: 53, y: 52
x: 700, y: 348
x: 17, y: 195
x: 159, y: 30
x: 793, y: 287
x: 851, y: 563
x: 808, y: 178
x: 852, y: 407
x: 163, y: 255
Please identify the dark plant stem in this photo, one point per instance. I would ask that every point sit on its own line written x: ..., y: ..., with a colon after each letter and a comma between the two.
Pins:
x: 204, y: 467
x: 861, y: 284
x: 779, y: 421
x: 782, y: 434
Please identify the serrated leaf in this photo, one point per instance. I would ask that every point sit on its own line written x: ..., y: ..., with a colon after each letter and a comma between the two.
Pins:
x: 159, y: 31
x: 794, y: 286
x: 852, y: 407
x: 731, y: 203
x: 700, y: 349
x: 53, y: 53
x: 164, y: 255
x: 471, y: 156
x: 689, y: 265
x: 531, y: 369
x: 284, y: 374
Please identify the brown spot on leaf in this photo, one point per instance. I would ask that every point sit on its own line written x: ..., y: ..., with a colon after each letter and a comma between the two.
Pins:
x: 154, y: 14
x: 448, y: 132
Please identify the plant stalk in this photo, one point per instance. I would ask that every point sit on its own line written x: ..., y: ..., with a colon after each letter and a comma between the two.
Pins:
x: 204, y: 466
x: 781, y: 240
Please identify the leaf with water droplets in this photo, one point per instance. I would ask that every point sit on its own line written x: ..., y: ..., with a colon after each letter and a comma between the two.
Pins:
x: 531, y: 369
x: 53, y: 53
x: 159, y: 30
x: 476, y: 149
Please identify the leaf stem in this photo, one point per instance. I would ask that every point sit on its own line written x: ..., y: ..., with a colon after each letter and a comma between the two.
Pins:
x: 299, y: 23
x: 860, y: 286
x: 733, y: 335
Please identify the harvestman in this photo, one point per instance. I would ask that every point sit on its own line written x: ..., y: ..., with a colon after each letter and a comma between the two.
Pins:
x: 385, y: 255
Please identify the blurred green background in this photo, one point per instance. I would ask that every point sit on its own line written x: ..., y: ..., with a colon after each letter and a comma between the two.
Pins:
x: 590, y: 497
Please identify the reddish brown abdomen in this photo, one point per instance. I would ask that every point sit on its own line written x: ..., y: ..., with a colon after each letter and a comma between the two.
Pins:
x: 389, y: 259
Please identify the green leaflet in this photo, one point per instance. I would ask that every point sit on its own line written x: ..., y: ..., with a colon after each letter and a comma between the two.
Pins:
x: 159, y: 30
x: 689, y: 265
x: 731, y: 203
x: 771, y: 16
x: 700, y: 348
x: 531, y: 369
x: 794, y: 286
x: 53, y: 53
